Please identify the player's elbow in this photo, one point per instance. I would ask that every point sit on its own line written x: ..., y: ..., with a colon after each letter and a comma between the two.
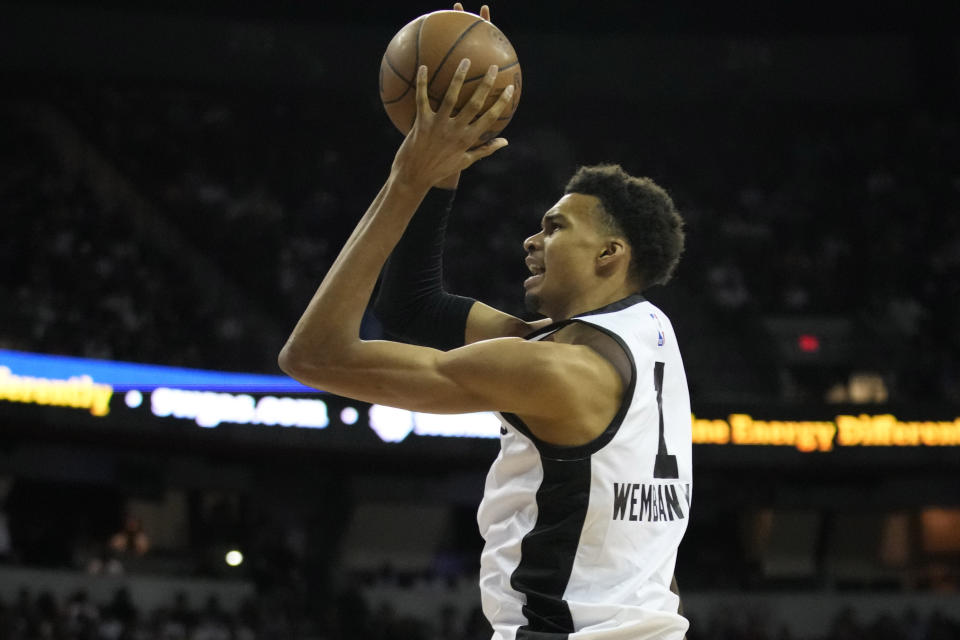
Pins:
x: 297, y: 362
x: 288, y: 361
x: 320, y: 366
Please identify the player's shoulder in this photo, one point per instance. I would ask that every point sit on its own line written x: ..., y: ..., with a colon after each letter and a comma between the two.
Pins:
x: 643, y: 326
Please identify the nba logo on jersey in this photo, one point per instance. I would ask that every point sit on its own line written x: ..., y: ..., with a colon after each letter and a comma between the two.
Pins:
x: 659, y: 329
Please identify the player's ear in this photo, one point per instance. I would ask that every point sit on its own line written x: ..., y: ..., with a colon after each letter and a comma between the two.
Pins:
x: 614, y: 252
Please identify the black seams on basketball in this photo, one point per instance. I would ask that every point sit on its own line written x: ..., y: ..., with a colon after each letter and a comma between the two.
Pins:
x: 440, y: 40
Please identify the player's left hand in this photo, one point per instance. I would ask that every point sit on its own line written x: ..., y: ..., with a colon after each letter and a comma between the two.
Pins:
x: 443, y: 142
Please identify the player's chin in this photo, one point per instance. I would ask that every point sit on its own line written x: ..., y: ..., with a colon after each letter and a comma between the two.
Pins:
x: 531, y: 301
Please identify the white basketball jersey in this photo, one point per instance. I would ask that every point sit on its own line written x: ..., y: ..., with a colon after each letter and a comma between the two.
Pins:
x: 581, y: 542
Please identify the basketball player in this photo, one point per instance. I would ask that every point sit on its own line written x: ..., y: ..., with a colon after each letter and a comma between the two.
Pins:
x: 586, y: 504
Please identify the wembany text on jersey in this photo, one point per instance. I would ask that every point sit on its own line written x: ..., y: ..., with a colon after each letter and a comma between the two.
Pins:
x: 640, y: 502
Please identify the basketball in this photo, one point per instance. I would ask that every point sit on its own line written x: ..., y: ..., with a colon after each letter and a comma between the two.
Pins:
x: 440, y: 40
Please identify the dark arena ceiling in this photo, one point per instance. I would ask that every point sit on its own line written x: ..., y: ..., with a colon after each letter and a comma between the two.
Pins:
x: 616, y: 16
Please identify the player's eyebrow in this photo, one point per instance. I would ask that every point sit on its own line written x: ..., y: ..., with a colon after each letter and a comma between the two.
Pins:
x: 553, y: 216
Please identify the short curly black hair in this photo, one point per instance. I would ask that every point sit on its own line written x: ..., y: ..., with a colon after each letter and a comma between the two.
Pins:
x: 642, y: 212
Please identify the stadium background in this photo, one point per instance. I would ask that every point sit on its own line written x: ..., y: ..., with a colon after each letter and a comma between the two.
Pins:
x: 176, y: 178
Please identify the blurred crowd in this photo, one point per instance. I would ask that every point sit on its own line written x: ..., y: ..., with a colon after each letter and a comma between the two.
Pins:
x: 798, y: 211
x: 846, y: 625
x: 349, y: 616
x: 79, y: 278
x: 40, y: 616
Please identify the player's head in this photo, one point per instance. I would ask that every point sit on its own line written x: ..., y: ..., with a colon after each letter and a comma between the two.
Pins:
x: 610, y: 234
x: 642, y: 212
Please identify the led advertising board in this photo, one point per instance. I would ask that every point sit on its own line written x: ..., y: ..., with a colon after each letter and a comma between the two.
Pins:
x: 124, y: 395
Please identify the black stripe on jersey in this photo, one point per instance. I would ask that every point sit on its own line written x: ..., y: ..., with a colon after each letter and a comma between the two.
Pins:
x: 558, y: 452
x: 547, y: 552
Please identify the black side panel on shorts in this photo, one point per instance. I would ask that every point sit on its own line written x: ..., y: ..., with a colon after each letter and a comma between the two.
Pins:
x: 547, y: 552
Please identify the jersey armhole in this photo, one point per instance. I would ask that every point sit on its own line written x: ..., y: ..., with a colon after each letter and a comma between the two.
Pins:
x: 622, y: 362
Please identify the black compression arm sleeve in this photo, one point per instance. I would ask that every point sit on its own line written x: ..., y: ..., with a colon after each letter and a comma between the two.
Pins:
x: 411, y: 303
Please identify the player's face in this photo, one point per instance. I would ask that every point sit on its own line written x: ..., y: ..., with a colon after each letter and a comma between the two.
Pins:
x: 562, y: 257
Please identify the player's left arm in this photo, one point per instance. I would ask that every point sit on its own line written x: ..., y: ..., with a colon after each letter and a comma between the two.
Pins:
x: 546, y: 383
x: 439, y: 144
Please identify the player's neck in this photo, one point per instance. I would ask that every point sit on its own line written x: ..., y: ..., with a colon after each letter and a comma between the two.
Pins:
x: 591, y: 300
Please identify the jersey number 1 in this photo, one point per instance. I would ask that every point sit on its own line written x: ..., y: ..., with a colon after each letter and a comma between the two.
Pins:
x: 666, y: 464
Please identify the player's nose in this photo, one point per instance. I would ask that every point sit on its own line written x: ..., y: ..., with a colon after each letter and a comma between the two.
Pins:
x: 532, y: 243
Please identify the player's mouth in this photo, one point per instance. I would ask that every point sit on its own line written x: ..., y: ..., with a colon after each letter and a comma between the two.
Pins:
x: 536, y: 271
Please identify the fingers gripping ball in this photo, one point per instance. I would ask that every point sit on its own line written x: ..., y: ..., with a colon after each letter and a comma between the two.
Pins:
x: 440, y: 40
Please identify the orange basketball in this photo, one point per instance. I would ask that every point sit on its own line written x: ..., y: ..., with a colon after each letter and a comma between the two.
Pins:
x: 441, y: 40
